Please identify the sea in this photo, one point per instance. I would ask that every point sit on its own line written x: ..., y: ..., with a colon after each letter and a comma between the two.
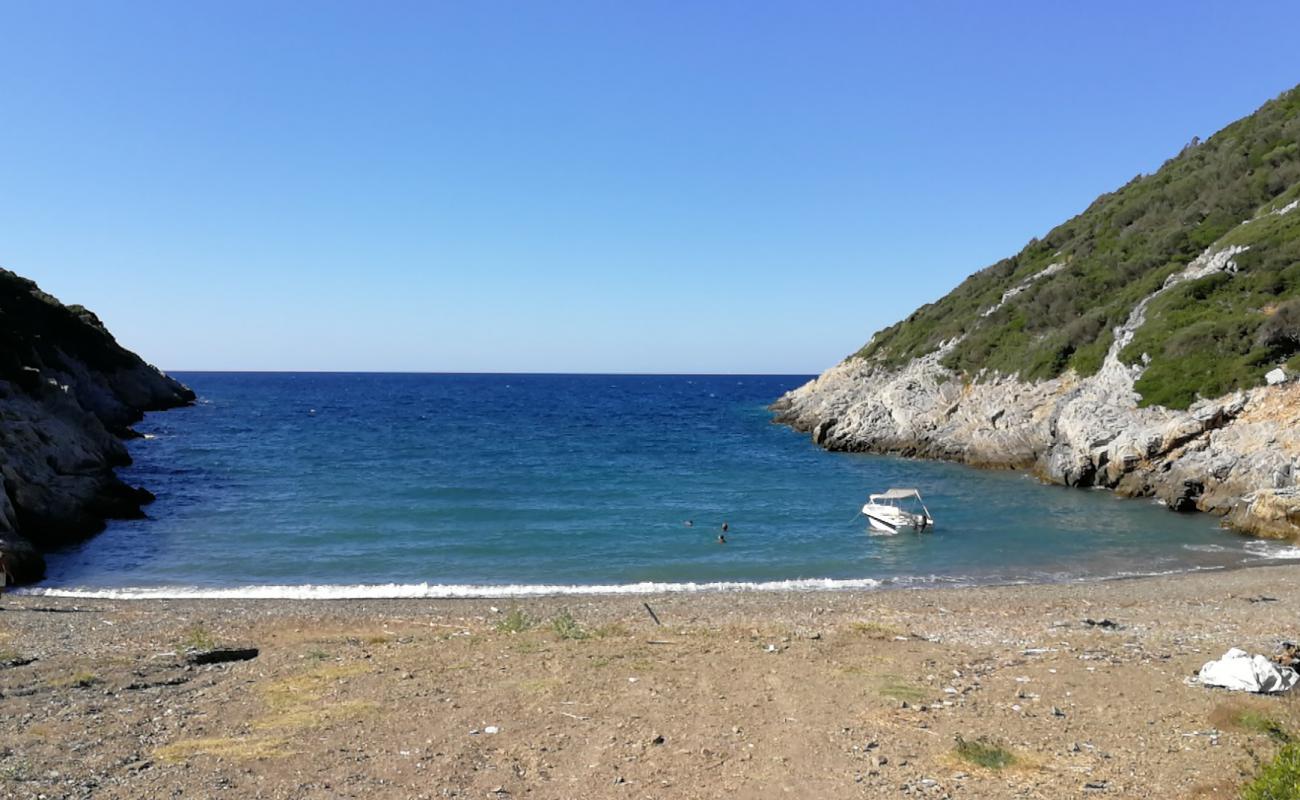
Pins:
x: 334, y: 485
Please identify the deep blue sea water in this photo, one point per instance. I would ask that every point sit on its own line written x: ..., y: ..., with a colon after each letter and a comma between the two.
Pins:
x: 406, y: 484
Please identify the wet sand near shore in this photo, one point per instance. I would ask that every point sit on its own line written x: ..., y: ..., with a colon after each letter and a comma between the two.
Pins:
x: 831, y: 694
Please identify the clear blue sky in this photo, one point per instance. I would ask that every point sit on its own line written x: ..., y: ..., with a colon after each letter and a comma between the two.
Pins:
x: 558, y: 186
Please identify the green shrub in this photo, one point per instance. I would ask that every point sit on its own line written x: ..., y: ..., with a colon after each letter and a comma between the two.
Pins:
x: 1279, y: 779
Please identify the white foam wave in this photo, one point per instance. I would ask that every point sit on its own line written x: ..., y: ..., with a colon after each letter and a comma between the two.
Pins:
x: 1205, y: 548
x: 1125, y: 575
x: 1270, y: 550
x: 380, y: 591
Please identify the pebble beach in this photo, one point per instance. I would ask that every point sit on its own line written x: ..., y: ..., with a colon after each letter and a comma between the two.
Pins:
x: 1053, y: 690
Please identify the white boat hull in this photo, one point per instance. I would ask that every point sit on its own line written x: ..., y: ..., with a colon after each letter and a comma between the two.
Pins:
x: 891, y: 519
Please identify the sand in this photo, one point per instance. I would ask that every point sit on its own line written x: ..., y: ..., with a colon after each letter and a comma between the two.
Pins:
x: 831, y: 694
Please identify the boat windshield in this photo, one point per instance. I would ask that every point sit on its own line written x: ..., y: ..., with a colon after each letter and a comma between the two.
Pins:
x: 896, y: 494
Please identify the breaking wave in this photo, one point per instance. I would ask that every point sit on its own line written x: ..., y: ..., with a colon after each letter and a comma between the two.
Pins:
x: 380, y: 591
x: 1270, y: 550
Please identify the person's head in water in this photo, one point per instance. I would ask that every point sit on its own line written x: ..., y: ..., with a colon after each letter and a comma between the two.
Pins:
x: 725, y: 527
x: 722, y: 539
x: 689, y: 523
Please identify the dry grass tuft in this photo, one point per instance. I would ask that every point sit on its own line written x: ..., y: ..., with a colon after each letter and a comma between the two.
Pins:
x: 317, y: 716
x: 244, y: 749
x: 875, y: 630
x: 307, y: 687
x: 77, y: 680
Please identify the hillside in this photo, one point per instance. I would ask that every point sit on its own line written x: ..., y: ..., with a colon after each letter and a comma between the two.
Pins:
x: 1211, y: 336
x: 1128, y: 347
x: 68, y: 394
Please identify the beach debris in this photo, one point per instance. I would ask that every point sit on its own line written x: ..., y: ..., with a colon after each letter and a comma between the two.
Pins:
x: 491, y: 729
x: 1095, y: 786
x: 1239, y: 671
x: 221, y: 655
x: 1106, y: 624
x: 1261, y: 598
x: 1288, y: 655
x: 652, y: 613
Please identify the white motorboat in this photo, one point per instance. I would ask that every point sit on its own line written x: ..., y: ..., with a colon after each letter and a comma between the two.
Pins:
x: 889, y: 512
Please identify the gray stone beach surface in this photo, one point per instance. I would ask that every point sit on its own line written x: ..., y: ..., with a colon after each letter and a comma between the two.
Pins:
x: 1039, y: 691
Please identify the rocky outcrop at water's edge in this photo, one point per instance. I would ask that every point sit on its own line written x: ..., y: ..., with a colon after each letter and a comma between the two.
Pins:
x: 68, y: 396
x: 1237, y: 455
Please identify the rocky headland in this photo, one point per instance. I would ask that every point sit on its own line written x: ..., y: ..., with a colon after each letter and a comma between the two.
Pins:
x: 68, y: 396
x: 1149, y: 345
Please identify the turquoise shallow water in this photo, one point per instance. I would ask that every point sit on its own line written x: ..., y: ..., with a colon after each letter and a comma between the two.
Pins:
x: 408, y: 485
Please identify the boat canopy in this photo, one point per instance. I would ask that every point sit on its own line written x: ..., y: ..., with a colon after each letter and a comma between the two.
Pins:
x: 896, y: 494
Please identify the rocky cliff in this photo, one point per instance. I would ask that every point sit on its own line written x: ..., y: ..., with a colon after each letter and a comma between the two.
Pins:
x: 68, y: 396
x: 1109, y: 353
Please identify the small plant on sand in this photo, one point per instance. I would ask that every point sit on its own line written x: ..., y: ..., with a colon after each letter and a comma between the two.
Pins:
x: 1251, y: 718
x: 985, y: 753
x: 515, y: 621
x: 566, y: 627
x: 14, y: 770
x: 610, y: 630
x: 896, y: 688
x: 1279, y: 779
x: 1259, y: 723
x: 79, y: 680
x: 198, y: 638
x: 875, y: 630
x: 317, y: 655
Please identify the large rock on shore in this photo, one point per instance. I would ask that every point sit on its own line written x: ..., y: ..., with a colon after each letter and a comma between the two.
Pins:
x: 68, y: 395
x: 1237, y: 455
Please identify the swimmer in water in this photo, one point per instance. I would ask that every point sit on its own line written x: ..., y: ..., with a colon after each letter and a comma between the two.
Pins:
x: 725, y: 527
x: 689, y: 523
x: 722, y: 539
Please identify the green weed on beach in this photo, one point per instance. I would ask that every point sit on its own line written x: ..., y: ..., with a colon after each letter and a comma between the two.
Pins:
x: 515, y: 621
x: 566, y: 627
x: 198, y: 638
x: 1279, y: 779
x: 984, y: 753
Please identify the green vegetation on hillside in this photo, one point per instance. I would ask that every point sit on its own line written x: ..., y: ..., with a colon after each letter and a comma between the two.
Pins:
x: 1205, y: 338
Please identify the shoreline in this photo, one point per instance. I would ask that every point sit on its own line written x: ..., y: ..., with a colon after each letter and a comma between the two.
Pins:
x: 431, y: 591
x: 734, y: 694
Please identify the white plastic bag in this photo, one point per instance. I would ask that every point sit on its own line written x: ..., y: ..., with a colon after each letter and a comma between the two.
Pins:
x: 1240, y: 672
